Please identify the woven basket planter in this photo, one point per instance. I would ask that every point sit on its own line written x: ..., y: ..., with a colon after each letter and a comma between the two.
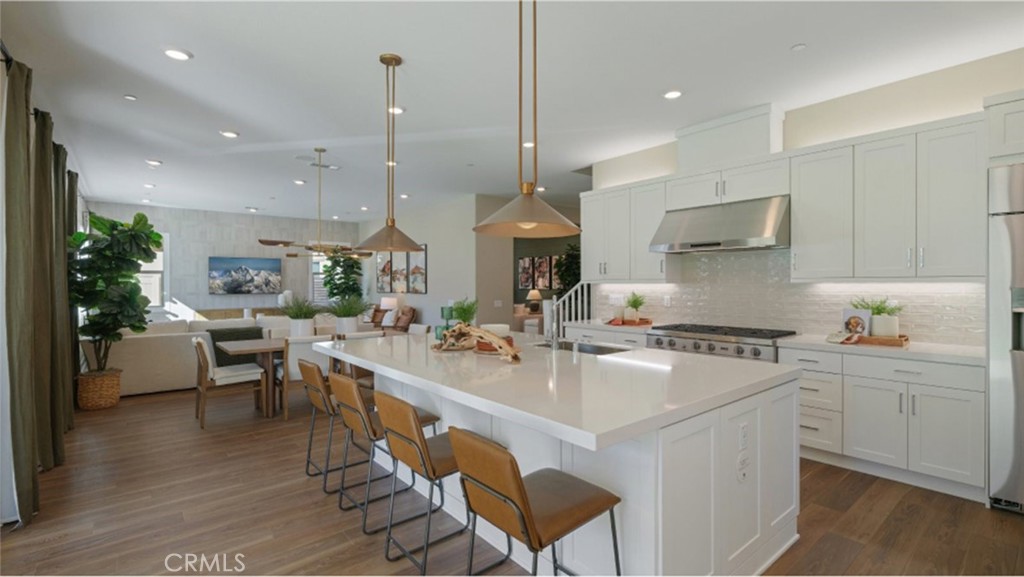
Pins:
x: 99, y: 389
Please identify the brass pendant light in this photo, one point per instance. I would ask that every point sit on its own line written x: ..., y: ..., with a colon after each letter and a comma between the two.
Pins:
x: 390, y: 238
x: 319, y: 248
x: 527, y: 216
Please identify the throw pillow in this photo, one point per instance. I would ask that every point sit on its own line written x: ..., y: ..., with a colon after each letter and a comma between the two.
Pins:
x: 406, y: 315
x: 235, y: 334
x: 389, y: 319
x: 378, y: 317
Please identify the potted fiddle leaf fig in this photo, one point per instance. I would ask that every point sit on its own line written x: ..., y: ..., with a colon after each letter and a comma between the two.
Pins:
x: 301, y: 311
x: 343, y: 276
x: 102, y: 280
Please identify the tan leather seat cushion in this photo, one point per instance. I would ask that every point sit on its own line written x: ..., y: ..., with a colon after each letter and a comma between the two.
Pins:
x: 441, y: 455
x: 425, y: 417
x: 561, y: 503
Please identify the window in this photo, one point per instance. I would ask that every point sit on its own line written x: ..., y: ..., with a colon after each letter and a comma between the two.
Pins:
x: 318, y: 293
x: 151, y: 277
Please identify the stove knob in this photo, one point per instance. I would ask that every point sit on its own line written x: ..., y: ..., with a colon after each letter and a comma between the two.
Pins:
x: 711, y: 347
x: 756, y: 352
x: 739, y: 350
x: 671, y: 343
x: 659, y: 341
x: 696, y: 346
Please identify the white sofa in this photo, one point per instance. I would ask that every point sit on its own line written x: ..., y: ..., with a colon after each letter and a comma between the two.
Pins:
x: 162, y: 358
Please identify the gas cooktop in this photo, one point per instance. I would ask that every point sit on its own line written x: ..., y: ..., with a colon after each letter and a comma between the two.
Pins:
x: 742, y: 342
x: 714, y: 330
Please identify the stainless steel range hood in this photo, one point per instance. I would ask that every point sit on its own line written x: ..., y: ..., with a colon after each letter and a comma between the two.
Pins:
x: 750, y: 224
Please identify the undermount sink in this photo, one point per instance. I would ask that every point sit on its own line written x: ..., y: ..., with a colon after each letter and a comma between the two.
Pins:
x: 587, y: 348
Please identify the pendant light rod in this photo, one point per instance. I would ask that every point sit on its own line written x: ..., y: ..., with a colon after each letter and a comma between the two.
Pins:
x: 528, y: 187
x: 319, y: 191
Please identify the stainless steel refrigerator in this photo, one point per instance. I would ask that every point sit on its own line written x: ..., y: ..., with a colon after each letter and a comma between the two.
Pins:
x: 1006, y: 337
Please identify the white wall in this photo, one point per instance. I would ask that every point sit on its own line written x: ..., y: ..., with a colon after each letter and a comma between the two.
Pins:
x: 192, y: 236
x: 494, y: 278
x: 752, y: 288
x: 648, y: 163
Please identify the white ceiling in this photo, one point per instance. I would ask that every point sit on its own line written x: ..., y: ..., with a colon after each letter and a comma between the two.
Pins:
x: 291, y: 76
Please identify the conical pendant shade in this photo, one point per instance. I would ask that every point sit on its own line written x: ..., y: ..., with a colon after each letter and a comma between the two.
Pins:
x: 527, y: 217
x: 391, y: 239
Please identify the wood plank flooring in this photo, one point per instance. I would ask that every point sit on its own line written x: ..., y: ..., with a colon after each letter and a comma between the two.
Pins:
x: 143, y: 481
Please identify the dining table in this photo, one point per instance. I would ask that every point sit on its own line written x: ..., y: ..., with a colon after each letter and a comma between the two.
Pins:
x: 264, y: 350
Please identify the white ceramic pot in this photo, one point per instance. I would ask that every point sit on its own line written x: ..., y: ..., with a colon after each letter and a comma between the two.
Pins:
x: 301, y: 328
x: 347, y: 325
x: 631, y: 314
x: 885, y: 326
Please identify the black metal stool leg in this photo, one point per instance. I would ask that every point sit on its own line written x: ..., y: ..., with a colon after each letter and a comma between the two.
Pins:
x: 309, y: 447
x: 554, y: 557
x: 534, y: 570
x: 420, y: 564
x: 615, y: 542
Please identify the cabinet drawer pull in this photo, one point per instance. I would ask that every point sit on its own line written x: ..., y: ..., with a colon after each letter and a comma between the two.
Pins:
x: 812, y: 361
x: 809, y: 428
x: 813, y: 390
x: 906, y: 372
x: 629, y: 341
x: 586, y: 336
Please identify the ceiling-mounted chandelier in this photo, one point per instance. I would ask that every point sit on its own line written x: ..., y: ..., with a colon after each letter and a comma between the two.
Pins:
x: 390, y: 238
x: 318, y: 248
x: 527, y: 216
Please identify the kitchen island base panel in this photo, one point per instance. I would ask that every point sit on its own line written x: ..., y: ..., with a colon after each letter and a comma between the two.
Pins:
x: 693, y: 500
x: 969, y: 492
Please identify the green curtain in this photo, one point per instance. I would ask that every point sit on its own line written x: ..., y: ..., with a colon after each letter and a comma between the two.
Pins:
x: 60, y: 330
x: 20, y: 261
x: 71, y: 226
x: 42, y: 285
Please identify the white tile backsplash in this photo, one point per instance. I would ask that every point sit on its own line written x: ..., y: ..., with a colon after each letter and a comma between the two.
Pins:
x: 753, y: 289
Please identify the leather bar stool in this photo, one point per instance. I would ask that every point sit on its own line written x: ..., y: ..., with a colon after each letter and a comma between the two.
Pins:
x: 316, y: 389
x: 430, y: 458
x: 350, y: 402
x: 538, y: 509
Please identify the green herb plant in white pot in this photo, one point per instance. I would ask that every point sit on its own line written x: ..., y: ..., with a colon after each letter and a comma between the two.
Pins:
x: 301, y: 311
x: 885, y: 321
x: 633, y: 304
x: 347, y: 310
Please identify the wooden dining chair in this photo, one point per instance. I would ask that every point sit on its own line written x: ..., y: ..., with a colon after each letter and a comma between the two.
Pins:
x: 212, y: 380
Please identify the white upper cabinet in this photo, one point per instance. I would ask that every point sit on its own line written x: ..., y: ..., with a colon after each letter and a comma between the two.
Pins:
x: 952, y: 201
x: 756, y: 181
x: 885, y: 207
x: 647, y: 209
x: 605, y: 238
x: 733, y: 185
x: 1006, y: 124
x: 693, y: 191
x: 822, y: 215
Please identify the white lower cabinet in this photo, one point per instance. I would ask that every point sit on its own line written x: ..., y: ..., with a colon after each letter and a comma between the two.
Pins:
x: 947, y: 433
x: 875, y: 420
x: 821, y: 429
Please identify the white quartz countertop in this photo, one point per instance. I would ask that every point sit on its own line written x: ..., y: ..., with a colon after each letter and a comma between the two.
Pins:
x: 600, y: 325
x: 587, y: 400
x: 955, y: 354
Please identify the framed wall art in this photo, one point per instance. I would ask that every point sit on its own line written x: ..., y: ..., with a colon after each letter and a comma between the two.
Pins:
x: 542, y: 272
x: 229, y: 275
x: 418, y: 272
x: 399, y: 272
x: 383, y: 268
x: 525, y: 273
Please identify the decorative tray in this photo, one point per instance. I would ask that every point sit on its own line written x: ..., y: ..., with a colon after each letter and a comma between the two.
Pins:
x: 900, y: 341
x: 629, y: 323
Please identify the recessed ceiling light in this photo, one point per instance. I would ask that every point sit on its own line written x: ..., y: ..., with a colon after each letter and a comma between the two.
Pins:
x: 541, y: 189
x: 527, y: 145
x: 672, y: 94
x: 251, y: 208
x: 363, y: 208
x: 175, y: 54
x: 299, y: 182
x: 229, y: 134
x: 153, y: 162
x: 335, y: 217
x: 131, y: 97
x: 396, y: 110
x: 403, y: 196
x: 145, y: 200
x: 148, y: 185
x: 798, y: 47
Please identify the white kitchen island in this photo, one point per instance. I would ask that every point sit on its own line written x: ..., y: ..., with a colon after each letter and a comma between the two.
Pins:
x: 703, y: 450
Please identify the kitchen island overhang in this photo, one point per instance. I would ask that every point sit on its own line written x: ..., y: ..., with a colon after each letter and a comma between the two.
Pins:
x: 703, y: 450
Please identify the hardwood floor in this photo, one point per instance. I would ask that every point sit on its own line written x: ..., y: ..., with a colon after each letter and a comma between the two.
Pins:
x: 143, y: 481
x: 855, y: 524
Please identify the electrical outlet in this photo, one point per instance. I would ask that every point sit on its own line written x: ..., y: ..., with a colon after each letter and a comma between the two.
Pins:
x: 497, y: 304
x: 744, y: 435
x: 666, y: 300
x: 742, y: 464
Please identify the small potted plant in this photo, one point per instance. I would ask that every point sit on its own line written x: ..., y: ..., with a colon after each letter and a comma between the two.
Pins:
x: 465, y: 310
x: 301, y: 311
x: 347, y: 309
x: 103, y: 282
x: 884, y: 319
x: 633, y: 304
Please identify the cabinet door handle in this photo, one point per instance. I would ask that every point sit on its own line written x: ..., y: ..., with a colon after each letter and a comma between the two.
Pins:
x: 716, y: 188
x: 723, y: 189
x: 812, y: 361
x: 910, y: 257
x: 810, y: 389
x: 920, y: 257
x: 809, y: 428
x: 906, y: 372
x: 794, y: 260
x: 901, y: 403
x: 913, y: 405
x: 662, y: 265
